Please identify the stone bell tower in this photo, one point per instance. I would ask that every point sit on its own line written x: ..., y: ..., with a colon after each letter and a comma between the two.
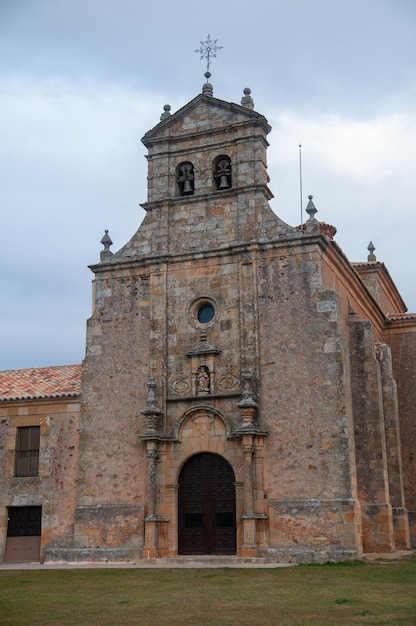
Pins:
x: 207, y: 202
x: 172, y: 364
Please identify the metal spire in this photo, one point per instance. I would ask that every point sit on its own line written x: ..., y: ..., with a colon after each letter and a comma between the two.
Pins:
x: 208, y: 51
x: 300, y: 186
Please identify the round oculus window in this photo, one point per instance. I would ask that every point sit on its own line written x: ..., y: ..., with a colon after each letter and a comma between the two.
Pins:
x: 205, y: 313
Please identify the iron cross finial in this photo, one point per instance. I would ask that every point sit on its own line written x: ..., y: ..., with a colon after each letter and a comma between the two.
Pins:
x: 208, y: 51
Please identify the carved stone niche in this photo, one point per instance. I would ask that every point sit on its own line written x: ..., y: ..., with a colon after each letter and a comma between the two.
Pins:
x: 203, y: 381
x: 203, y: 359
x: 247, y: 405
x: 152, y: 412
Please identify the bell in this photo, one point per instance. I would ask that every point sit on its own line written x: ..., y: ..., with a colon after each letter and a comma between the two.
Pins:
x: 187, y: 187
x: 224, y: 182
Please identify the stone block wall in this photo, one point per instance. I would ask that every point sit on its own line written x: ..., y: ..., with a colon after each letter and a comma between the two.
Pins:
x: 402, y: 338
x: 304, y: 381
x: 114, y: 390
x: 314, y: 530
x: 107, y: 532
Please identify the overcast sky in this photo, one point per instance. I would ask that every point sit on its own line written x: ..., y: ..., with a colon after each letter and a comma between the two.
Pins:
x: 81, y: 81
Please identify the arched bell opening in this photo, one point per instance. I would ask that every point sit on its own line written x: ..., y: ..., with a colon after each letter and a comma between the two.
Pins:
x: 185, y: 179
x: 222, y: 173
x: 206, y: 506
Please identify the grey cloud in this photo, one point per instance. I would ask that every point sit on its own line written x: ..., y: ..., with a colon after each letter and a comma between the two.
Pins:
x: 81, y: 82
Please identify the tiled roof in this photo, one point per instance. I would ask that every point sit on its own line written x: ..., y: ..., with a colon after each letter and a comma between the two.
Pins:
x: 62, y: 381
x: 366, y: 263
x: 401, y: 316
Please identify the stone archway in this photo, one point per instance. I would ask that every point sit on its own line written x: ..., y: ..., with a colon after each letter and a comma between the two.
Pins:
x: 206, y: 506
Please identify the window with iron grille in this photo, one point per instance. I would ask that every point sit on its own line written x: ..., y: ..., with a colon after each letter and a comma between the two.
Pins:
x: 27, y: 451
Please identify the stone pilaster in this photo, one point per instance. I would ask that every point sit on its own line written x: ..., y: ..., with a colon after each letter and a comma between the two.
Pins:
x: 370, y: 440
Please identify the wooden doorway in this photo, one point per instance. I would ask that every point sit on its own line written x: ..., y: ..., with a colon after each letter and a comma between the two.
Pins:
x: 23, y: 534
x: 206, y: 506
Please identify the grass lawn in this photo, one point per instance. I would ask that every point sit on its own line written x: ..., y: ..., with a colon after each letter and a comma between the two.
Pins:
x: 356, y: 593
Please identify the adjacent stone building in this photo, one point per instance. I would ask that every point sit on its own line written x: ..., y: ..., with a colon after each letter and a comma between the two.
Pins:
x: 246, y: 389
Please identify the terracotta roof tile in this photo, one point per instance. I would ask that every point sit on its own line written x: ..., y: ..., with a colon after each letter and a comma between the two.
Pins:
x: 40, y: 382
x: 366, y: 263
x: 401, y: 316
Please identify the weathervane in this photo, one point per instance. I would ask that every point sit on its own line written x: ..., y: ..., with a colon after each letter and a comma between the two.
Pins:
x: 208, y: 51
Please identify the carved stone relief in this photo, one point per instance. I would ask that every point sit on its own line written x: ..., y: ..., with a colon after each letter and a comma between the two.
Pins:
x: 228, y: 378
x: 185, y: 383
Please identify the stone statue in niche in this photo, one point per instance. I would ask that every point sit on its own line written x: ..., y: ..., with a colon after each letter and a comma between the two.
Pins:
x: 202, y: 380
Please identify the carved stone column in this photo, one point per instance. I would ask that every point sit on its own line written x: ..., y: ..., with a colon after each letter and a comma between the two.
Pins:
x: 152, y: 457
x: 153, y: 417
x: 247, y: 405
x: 151, y: 538
x: 249, y: 519
x: 152, y: 413
x: 249, y: 434
x: 154, y: 518
x: 248, y: 475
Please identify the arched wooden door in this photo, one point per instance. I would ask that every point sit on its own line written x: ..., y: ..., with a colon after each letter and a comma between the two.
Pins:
x: 206, y: 506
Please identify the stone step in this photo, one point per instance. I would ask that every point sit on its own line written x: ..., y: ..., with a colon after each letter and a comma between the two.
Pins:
x: 214, y: 560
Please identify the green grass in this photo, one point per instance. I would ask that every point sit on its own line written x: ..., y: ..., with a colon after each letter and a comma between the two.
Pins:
x: 309, y: 595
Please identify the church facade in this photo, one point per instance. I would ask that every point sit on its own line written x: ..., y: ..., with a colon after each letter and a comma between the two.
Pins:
x: 246, y: 389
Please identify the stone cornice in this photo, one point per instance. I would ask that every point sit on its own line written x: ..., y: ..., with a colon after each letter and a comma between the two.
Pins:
x: 197, y: 137
x: 250, y: 117
x: 295, y: 238
x: 295, y: 241
x: 216, y: 196
x: 208, y: 398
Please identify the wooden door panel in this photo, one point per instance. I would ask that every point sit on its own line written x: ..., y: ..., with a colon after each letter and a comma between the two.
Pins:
x: 206, y: 506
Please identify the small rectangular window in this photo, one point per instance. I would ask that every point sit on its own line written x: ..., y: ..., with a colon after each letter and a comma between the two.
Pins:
x: 27, y: 451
